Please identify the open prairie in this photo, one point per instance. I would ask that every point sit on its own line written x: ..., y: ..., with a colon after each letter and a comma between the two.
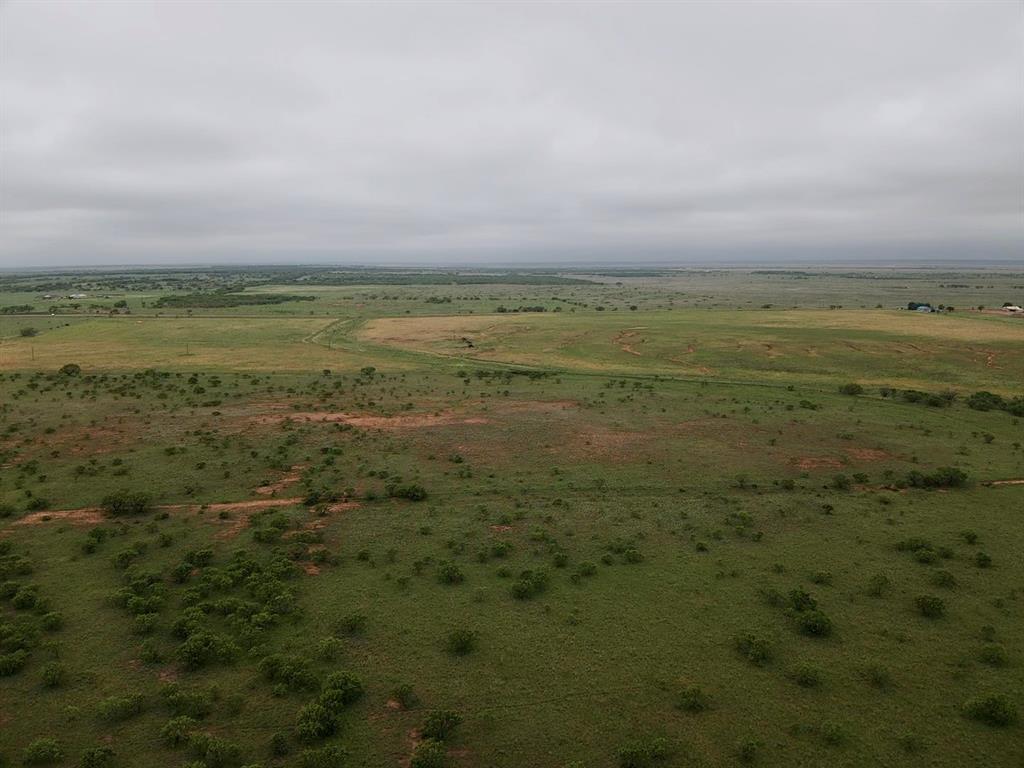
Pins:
x: 395, y: 518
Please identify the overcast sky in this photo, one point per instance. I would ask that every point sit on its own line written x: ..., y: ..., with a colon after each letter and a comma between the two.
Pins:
x: 185, y: 132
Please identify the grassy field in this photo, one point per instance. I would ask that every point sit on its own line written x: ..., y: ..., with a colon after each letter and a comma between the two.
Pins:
x: 405, y: 531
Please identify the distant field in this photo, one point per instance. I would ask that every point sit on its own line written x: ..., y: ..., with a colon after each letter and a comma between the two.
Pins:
x: 872, y: 347
x: 198, y: 343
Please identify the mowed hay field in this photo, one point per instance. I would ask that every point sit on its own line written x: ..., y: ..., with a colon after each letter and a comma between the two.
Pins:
x: 459, y: 538
x: 180, y: 343
x: 814, y: 346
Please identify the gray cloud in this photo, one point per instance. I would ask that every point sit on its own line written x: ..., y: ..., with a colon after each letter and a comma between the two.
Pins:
x: 196, y: 132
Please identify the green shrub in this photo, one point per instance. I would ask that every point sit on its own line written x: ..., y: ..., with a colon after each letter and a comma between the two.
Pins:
x: 214, y: 751
x: 53, y: 674
x: 291, y: 671
x: 756, y: 650
x: 204, y: 648
x: 404, y: 695
x: 440, y: 724
x: 644, y: 753
x: 461, y: 641
x: 851, y: 389
x: 993, y: 655
x: 197, y: 703
x: 429, y: 754
x: 996, y: 710
x: 693, y: 699
x: 124, y: 503
x: 351, y: 624
x: 331, y: 756
x: 930, y: 606
x: 12, y: 663
x: 806, y: 676
x: 410, y: 491
x: 177, y: 730
x: 97, y: 757
x: 449, y: 573
x: 529, y: 584
x: 814, y: 623
x: 315, y: 722
x: 44, y: 751
x: 118, y: 708
x: 747, y: 750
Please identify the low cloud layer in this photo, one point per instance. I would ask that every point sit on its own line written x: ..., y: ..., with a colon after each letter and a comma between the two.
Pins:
x: 533, y: 132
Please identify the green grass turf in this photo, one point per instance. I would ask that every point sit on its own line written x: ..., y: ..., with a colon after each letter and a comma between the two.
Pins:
x: 702, y: 499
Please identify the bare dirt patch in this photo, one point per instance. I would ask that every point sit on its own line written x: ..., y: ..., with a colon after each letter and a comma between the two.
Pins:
x: 293, y: 476
x: 817, y: 462
x: 625, y: 342
x: 85, y: 516
x: 868, y: 454
x: 369, y: 421
x: 1006, y: 482
x: 501, y: 528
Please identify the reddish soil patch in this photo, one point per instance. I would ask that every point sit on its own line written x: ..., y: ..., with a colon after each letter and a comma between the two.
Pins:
x: 501, y: 528
x: 538, y: 406
x: 415, y: 738
x: 393, y: 704
x: 293, y: 476
x: 817, y: 462
x: 167, y: 675
x: 366, y: 421
x: 624, y: 340
x: 86, y: 516
x: 600, y: 442
x: 869, y: 454
x: 94, y: 515
x: 311, y: 569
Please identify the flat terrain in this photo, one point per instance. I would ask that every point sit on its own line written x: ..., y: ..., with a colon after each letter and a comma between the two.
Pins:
x: 654, y: 524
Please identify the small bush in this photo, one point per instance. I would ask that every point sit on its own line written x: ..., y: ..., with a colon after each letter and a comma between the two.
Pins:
x: 930, y: 606
x: 461, y: 642
x: 123, y: 503
x: 851, y: 389
x: 996, y: 710
x: 404, y: 694
x: 214, y: 751
x: 529, y: 584
x: 53, y: 674
x: 993, y: 655
x: 118, y: 708
x: 643, y: 754
x: 449, y: 573
x: 331, y: 756
x: 693, y: 699
x: 43, y: 752
x: 756, y: 650
x: 814, y: 624
x: 97, y: 757
x: 177, y: 730
x: 429, y: 754
x: 806, y: 676
x: 440, y: 724
x: 352, y: 624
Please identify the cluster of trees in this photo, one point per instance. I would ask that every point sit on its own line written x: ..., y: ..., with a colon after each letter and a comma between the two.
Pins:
x: 219, y: 300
